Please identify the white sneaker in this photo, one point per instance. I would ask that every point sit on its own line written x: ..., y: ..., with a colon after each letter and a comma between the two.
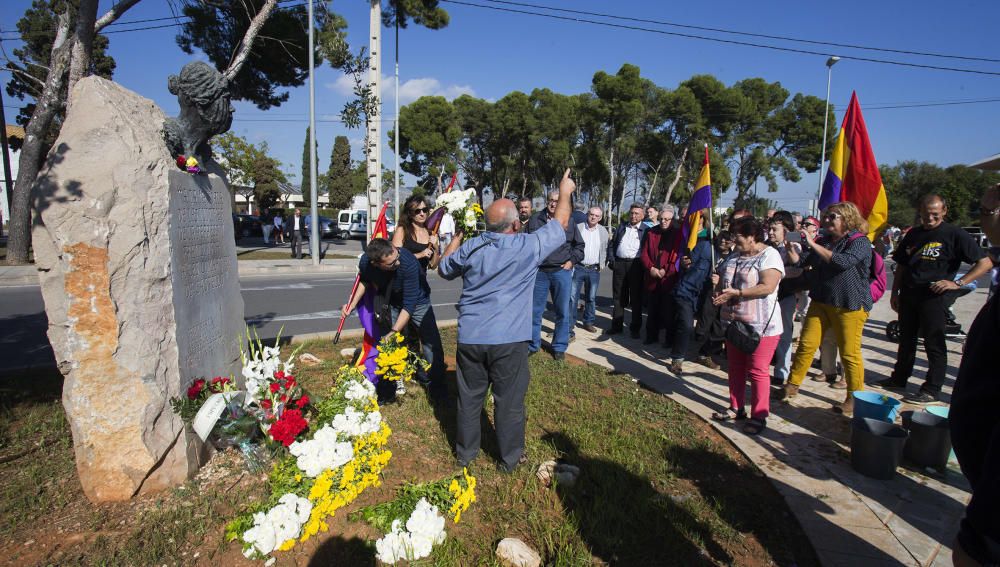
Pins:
x: 400, y: 388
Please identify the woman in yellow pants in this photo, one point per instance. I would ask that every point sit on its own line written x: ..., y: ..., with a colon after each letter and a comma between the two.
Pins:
x: 838, y: 266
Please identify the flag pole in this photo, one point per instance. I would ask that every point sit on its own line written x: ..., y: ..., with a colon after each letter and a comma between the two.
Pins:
x: 357, y: 280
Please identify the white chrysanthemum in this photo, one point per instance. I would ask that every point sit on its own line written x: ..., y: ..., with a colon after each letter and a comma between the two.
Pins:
x: 322, y: 452
x: 360, y: 390
x: 394, y: 546
x: 426, y: 522
x: 353, y: 423
x: 279, y: 524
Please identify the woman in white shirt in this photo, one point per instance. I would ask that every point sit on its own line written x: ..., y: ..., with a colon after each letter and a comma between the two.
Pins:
x: 748, y: 292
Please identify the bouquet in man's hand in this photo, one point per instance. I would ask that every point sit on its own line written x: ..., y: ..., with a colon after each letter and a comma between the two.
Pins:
x: 463, y: 207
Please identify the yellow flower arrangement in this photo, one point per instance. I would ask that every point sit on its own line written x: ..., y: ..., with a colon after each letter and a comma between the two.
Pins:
x: 464, y: 496
x: 395, y: 361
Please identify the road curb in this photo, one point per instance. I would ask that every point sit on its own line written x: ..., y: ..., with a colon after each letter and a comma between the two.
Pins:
x: 30, y: 277
x: 352, y: 333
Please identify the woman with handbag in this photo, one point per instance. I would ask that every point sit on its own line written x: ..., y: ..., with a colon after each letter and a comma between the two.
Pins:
x: 748, y: 295
x: 838, y: 267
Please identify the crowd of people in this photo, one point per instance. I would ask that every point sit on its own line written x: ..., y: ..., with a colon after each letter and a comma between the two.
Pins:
x: 731, y: 299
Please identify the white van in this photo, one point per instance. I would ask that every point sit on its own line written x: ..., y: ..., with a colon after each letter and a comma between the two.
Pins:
x: 353, y: 223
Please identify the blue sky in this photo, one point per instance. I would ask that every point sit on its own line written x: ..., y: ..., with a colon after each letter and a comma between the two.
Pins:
x: 490, y: 53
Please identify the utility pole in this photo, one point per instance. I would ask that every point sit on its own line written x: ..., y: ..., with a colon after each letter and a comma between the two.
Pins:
x: 8, y: 180
x: 826, y: 117
x: 373, y: 138
x: 313, y: 212
x: 396, y: 129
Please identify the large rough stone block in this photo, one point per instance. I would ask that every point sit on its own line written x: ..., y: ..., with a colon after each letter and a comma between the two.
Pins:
x: 137, y: 264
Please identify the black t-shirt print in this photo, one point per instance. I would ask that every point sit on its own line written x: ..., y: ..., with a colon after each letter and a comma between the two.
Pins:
x: 935, y: 254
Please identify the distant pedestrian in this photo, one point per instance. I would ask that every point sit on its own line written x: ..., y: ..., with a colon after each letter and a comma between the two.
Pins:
x: 524, y: 212
x: 652, y: 216
x: 266, y: 225
x: 279, y: 232
x: 295, y: 230
x: 498, y: 269
x: 927, y: 260
x: 587, y: 275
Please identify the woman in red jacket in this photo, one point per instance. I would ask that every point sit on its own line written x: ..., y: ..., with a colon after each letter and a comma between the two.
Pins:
x: 660, y: 254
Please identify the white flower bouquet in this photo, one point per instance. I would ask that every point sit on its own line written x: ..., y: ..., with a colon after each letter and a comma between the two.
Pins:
x: 464, y: 209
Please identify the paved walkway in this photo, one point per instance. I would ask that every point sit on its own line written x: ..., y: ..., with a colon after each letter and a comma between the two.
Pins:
x: 850, y: 519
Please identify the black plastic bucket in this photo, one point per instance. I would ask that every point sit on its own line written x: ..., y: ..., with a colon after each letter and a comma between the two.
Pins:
x: 929, y: 443
x: 876, y: 447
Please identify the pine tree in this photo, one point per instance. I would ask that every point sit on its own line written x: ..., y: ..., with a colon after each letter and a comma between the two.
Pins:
x: 339, y: 180
x: 304, y: 183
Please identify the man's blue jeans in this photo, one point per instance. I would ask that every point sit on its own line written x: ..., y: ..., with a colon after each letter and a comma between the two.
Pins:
x: 558, y: 283
x: 586, y: 279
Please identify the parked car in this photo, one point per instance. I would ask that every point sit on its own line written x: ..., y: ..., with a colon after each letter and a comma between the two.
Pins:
x: 328, y: 227
x: 246, y: 226
x: 978, y: 235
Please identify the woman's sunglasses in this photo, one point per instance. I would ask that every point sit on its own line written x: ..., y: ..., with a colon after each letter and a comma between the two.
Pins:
x: 420, y: 210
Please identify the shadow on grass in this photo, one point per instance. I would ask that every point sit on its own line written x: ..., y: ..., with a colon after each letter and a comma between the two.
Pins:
x: 31, y: 387
x: 339, y: 551
x: 625, y: 521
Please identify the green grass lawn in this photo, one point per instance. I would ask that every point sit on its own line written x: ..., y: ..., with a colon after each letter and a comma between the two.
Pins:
x: 657, y: 486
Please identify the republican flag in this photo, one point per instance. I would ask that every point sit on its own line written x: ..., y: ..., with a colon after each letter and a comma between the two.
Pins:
x: 853, y: 173
x: 366, y: 312
x: 701, y: 200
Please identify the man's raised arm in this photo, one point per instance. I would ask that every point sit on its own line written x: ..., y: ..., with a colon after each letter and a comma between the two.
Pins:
x: 565, y: 207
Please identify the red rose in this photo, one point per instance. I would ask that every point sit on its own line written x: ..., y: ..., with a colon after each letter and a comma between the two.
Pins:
x: 275, y: 387
x: 195, y: 390
x: 303, y: 401
x: 286, y: 428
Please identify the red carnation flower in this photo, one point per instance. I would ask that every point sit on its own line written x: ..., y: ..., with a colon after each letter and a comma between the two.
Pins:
x: 289, y: 383
x: 266, y: 404
x: 283, y: 398
x: 303, y: 401
x: 181, y: 161
x: 195, y: 390
x: 275, y: 387
x: 286, y: 428
x: 280, y: 375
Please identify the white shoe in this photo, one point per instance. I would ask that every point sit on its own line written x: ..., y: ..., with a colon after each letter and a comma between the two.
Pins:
x: 400, y: 388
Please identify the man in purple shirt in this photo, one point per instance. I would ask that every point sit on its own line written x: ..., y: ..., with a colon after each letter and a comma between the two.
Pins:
x: 498, y: 271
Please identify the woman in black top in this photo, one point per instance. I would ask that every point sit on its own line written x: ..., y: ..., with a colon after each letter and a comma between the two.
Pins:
x: 412, y: 232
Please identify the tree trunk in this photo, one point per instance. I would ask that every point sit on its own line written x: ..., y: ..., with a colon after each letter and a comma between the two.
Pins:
x: 19, y: 236
x: 506, y: 184
x: 83, y: 45
x: 677, y: 176
x: 611, y: 185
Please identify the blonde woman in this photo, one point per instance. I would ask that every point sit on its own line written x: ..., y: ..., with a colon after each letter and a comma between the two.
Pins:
x: 838, y: 267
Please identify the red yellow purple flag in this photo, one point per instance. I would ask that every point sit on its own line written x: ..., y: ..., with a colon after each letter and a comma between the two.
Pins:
x: 853, y: 173
x: 700, y: 200
x: 369, y: 344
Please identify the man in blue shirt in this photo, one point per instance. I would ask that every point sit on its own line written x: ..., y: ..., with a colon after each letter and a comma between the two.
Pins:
x: 399, y: 281
x: 498, y: 271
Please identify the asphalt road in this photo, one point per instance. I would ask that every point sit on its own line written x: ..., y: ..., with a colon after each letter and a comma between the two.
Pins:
x: 293, y: 305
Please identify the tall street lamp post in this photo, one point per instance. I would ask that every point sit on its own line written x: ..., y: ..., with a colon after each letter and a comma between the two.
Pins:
x: 826, y: 117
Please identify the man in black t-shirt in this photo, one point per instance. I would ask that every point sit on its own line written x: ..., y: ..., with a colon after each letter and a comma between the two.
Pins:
x: 926, y: 263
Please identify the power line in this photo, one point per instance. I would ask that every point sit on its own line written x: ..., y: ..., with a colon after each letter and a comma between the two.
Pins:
x: 747, y: 34
x: 720, y: 40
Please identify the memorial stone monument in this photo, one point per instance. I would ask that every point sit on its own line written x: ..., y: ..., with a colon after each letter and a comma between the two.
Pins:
x: 137, y: 264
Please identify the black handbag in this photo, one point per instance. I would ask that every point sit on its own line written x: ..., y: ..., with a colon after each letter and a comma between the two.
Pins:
x: 743, y: 335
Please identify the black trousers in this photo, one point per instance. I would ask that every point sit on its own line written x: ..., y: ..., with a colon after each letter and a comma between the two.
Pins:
x: 925, y: 312
x: 626, y: 291
x: 660, y: 316
x: 709, y: 335
x: 504, y: 366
